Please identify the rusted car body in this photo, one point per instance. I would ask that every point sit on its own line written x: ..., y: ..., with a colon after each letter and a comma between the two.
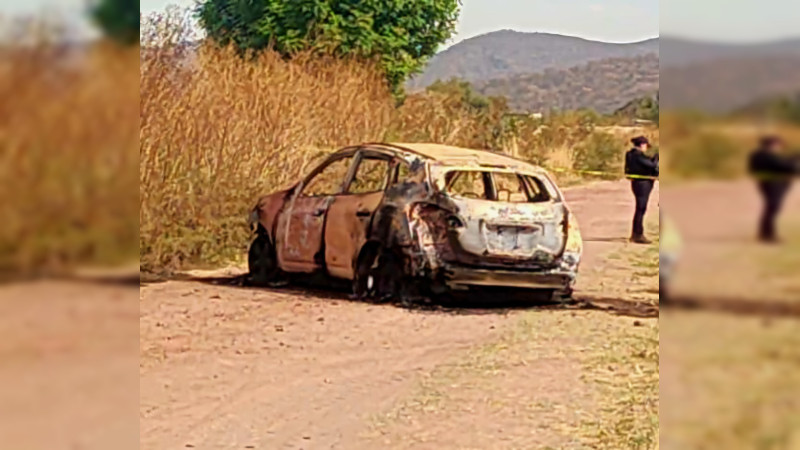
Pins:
x: 418, y: 215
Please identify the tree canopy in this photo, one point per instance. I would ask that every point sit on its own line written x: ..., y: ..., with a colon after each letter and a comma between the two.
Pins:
x: 118, y: 19
x: 402, y: 34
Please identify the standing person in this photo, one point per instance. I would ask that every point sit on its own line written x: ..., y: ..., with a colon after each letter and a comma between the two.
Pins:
x: 773, y: 172
x: 642, y: 170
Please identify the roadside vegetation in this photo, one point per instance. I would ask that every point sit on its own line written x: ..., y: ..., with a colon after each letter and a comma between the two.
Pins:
x: 68, y: 163
x: 703, y: 146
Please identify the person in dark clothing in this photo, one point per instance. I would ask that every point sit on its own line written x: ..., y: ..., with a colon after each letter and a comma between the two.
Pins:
x: 773, y: 172
x: 642, y: 170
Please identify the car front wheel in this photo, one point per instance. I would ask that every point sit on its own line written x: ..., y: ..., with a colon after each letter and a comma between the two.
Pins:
x: 262, y: 262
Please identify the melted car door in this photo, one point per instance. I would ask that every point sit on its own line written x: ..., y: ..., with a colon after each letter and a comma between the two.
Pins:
x: 350, y: 214
x: 302, y: 226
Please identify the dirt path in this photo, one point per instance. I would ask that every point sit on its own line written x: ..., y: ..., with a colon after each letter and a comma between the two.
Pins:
x: 228, y: 367
x: 68, y: 356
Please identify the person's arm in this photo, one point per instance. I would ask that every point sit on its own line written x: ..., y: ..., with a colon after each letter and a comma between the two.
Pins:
x: 648, y: 163
x: 781, y: 164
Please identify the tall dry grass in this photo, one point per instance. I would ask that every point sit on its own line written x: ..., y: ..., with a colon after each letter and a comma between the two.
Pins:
x: 68, y: 124
x: 448, y: 119
x: 217, y: 131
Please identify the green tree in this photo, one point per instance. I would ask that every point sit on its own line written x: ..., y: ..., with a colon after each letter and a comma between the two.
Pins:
x: 118, y: 19
x: 459, y: 88
x: 646, y: 108
x: 403, y: 34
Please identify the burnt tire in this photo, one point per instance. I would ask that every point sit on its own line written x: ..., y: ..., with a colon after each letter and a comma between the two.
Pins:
x: 563, y: 296
x: 380, y: 274
x: 262, y: 262
x: 364, y: 273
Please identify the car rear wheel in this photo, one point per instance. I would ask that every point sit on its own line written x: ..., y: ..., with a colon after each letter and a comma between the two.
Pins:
x: 262, y: 262
x: 380, y: 274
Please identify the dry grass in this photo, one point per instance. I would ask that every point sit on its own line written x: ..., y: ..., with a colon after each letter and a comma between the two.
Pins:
x: 708, y: 148
x: 68, y: 123
x: 551, y: 380
x: 216, y: 135
x: 624, y: 370
x: 729, y: 382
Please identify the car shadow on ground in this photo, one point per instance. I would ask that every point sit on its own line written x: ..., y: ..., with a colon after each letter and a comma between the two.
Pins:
x: 620, y: 240
x: 735, y: 306
x: 474, y: 302
x: 500, y: 302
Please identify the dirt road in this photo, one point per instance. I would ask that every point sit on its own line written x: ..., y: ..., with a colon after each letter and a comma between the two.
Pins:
x: 225, y: 367
x: 731, y: 380
x: 229, y: 367
x: 722, y: 259
x: 68, y: 356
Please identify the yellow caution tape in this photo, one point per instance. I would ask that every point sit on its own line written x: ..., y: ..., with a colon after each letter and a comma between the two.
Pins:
x: 757, y: 176
x: 602, y: 173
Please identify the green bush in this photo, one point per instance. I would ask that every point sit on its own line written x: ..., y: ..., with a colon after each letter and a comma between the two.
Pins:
x: 600, y: 152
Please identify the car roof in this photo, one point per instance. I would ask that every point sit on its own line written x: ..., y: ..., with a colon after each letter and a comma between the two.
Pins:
x: 459, y: 156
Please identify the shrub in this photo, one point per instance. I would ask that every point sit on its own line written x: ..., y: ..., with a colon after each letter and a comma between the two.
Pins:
x: 600, y: 152
x: 707, y: 154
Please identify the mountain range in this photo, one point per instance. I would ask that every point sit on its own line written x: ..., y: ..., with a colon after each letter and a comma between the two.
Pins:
x: 505, y: 53
x: 541, y: 71
x: 720, y: 78
x: 677, y: 52
x: 604, y: 85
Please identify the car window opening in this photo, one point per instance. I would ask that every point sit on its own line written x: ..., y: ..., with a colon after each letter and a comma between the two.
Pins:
x: 371, y: 176
x: 329, y: 181
x: 496, y: 186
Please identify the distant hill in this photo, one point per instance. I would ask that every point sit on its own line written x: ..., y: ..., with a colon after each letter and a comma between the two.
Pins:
x: 721, y: 78
x: 681, y: 52
x: 727, y: 85
x: 605, y: 85
x: 507, y: 53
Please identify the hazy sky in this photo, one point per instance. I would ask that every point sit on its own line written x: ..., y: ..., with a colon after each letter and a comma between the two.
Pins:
x: 608, y: 20
x: 731, y: 20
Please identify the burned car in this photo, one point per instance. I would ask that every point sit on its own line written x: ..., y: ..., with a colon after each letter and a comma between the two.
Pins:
x: 419, y: 219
